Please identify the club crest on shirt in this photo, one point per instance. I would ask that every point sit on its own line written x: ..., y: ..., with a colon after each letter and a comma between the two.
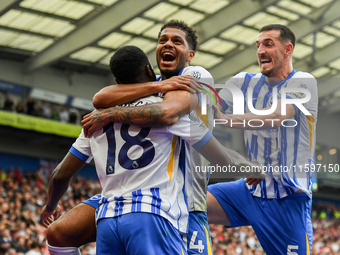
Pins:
x: 193, y: 117
x: 196, y: 74
x: 135, y: 164
x: 110, y: 170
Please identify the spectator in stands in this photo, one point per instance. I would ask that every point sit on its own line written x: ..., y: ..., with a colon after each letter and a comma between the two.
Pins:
x: 30, y: 106
x: 3, y: 175
x: 18, y: 174
x: 34, y: 249
x: 74, y: 116
x: 20, y: 108
x: 8, y: 104
x: 4, y: 242
x: 64, y: 115
x: 38, y: 110
x: 19, y: 226
x: 11, y: 251
x: 21, y: 244
x: 54, y: 113
x: 46, y: 110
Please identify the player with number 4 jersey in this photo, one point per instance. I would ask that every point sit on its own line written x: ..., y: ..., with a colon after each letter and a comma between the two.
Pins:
x: 198, y: 239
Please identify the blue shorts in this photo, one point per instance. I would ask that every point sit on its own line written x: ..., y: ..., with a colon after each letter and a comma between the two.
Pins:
x: 93, y: 201
x: 138, y: 234
x: 283, y: 226
x: 198, y: 239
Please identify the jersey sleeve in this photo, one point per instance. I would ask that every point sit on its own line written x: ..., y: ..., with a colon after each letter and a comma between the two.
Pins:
x: 191, y: 129
x: 226, y: 92
x: 208, y: 95
x: 81, y: 148
x: 298, y: 88
x: 200, y: 74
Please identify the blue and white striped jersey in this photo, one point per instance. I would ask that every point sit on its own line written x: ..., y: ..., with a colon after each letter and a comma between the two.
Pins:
x: 196, y: 181
x: 287, y: 152
x: 138, y: 168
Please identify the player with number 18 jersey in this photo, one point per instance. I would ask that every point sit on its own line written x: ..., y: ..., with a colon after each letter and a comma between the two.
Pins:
x: 139, y: 167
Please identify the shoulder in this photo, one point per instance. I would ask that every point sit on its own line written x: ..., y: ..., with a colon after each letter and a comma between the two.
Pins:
x: 247, y: 75
x: 242, y: 76
x: 303, y: 79
x: 306, y: 75
x: 149, y: 99
x: 197, y: 72
x: 144, y: 101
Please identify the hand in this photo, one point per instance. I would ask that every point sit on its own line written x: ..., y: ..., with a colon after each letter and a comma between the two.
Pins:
x: 47, y: 216
x: 217, y: 113
x: 256, y: 177
x: 93, y: 121
x: 181, y: 82
x: 221, y: 118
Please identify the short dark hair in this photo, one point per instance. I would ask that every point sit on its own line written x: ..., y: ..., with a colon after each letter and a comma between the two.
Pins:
x: 285, y: 33
x: 189, y: 31
x: 128, y: 64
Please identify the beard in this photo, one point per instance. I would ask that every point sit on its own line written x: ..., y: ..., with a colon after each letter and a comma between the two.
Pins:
x: 169, y: 73
x: 267, y: 73
x: 272, y: 72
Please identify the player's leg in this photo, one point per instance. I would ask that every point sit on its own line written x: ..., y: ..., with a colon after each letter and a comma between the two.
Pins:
x: 108, y: 239
x: 149, y: 234
x: 198, y: 240
x: 228, y: 203
x: 73, y: 229
x: 287, y: 228
x: 215, y: 212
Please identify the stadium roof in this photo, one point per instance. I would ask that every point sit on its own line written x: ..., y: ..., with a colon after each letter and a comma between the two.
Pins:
x: 80, y: 34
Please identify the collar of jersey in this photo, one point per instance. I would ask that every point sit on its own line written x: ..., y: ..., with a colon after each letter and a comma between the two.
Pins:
x: 272, y: 84
x: 159, y: 78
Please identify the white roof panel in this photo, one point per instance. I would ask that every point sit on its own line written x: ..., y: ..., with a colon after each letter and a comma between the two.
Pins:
x: 69, y: 9
x: 241, y: 34
x: 206, y: 60
x: 89, y: 54
x: 218, y: 46
x: 209, y: 6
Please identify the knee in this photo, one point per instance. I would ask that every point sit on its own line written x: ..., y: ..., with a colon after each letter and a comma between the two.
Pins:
x: 215, y: 212
x: 55, y: 235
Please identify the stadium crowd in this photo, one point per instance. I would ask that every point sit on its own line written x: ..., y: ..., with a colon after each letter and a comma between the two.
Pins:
x: 43, y: 109
x: 22, y: 195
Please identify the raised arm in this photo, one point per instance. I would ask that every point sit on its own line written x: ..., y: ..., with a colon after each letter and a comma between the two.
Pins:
x: 175, y: 105
x: 125, y: 93
x: 58, y: 185
x: 218, y: 155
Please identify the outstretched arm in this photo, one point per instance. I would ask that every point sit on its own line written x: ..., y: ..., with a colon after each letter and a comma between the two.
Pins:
x: 175, y: 105
x: 58, y: 185
x: 218, y: 155
x: 125, y: 93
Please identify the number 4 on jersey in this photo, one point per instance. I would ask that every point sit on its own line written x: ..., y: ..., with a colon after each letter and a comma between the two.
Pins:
x: 199, y: 246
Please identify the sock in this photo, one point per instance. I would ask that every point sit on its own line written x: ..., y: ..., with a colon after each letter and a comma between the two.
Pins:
x: 63, y: 250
